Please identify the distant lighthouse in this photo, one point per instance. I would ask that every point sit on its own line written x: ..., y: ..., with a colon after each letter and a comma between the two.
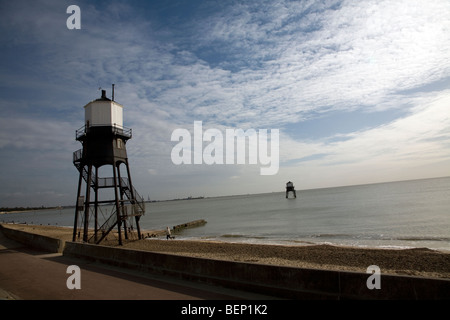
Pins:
x: 108, y: 201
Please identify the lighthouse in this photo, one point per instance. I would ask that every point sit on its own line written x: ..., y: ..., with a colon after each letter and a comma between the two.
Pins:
x: 106, y: 198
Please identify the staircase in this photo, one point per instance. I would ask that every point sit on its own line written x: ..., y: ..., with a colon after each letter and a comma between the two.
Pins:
x: 138, y: 203
x: 105, y: 229
x: 135, y: 199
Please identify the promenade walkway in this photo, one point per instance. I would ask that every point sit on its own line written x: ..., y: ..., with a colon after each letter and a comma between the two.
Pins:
x: 29, y: 274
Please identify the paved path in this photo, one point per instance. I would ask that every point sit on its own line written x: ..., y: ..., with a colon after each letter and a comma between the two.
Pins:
x: 29, y: 274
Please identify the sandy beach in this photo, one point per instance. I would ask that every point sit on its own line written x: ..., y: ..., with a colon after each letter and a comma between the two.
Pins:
x: 417, y: 262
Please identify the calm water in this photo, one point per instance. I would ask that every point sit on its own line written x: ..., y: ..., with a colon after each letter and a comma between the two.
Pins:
x: 396, y: 214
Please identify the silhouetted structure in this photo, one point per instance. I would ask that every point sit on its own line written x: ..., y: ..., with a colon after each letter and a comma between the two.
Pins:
x: 104, y: 144
x: 290, y: 188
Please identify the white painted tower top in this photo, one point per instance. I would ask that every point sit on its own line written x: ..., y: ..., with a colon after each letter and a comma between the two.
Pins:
x: 103, y: 112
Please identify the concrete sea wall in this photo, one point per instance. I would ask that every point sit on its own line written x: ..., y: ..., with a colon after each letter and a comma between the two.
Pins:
x: 34, y: 240
x: 277, y: 281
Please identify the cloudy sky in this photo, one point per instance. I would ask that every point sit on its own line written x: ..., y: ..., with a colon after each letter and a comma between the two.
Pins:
x: 359, y: 90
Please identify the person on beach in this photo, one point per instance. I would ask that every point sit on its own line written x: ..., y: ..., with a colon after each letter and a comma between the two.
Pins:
x: 168, y: 235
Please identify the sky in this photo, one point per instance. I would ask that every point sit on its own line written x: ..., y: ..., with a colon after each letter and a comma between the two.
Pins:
x: 359, y: 91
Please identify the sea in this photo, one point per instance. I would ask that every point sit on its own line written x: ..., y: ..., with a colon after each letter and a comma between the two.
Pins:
x: 404, y: 214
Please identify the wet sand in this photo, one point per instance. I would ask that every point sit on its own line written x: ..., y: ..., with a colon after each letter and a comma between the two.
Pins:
x: 417, y: 262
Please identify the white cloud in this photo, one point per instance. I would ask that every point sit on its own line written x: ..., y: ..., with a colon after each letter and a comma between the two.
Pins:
x: 36, y: 134
x: 297, y: 61
x: 419, y: 140
x: 251, y: 65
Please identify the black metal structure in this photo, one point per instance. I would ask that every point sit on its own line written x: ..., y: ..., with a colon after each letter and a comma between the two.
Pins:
x: 290, y: 188
x: 105, y: 145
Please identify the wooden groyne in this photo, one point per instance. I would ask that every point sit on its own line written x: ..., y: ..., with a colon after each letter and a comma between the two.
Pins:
x: 174, y: 229
x: 192, y: 224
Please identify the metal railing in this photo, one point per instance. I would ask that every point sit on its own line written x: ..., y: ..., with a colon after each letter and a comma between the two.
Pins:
x: 105, y: 229
x: 133, y: 196
x: 115, y: 129
x: 77, y: 155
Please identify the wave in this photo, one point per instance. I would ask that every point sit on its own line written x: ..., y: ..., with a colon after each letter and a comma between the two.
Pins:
x: 344, y: 239
x: 424, y: 238
x: 328, y: 236
x: 376, y: 237
x: 232, y: 236
x: 332, y: 235
x: 242, y: 236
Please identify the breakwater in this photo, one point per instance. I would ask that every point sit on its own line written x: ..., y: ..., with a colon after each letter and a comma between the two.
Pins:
x: 174, y: 229
x: 192, y: 224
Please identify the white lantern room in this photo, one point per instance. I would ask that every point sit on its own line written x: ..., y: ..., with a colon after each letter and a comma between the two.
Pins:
x: 103, y: 112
